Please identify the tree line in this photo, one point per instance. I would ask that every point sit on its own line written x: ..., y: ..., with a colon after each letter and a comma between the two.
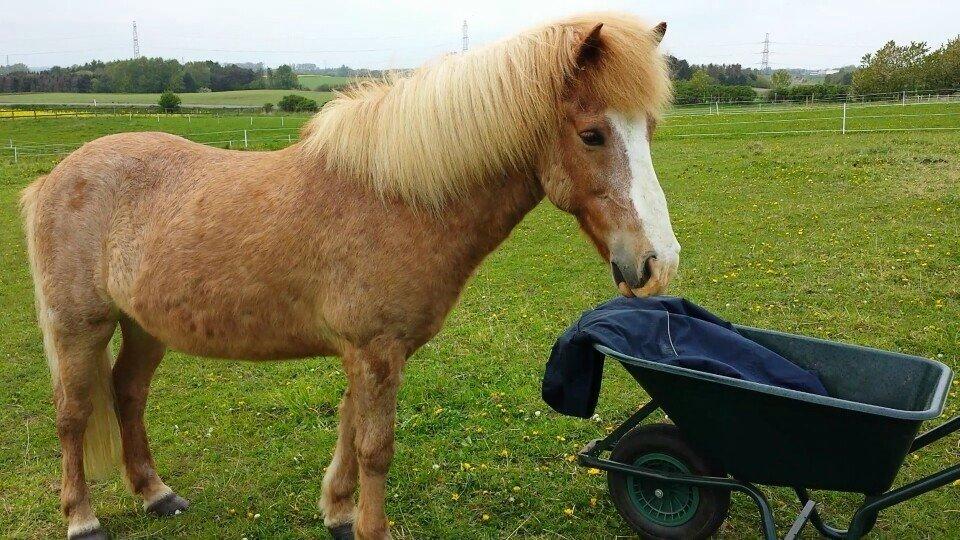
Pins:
x: 148, y: 75
x: 913, y: 67
x: 893, y: 68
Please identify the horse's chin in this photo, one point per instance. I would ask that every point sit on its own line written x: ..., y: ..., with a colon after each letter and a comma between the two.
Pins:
x: 651, y: 289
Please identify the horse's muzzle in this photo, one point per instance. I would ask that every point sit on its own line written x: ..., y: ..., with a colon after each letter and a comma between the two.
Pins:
x: 648, y: 277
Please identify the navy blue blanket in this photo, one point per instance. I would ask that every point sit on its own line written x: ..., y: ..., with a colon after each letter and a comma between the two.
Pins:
x: 662, y: 329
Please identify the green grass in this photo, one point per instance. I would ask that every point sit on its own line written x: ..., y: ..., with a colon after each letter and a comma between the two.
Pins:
x: 740, y: 120
x: 850, y: 238
x: 311, y: 80
x: 63, y: 134
x: 235, y: 97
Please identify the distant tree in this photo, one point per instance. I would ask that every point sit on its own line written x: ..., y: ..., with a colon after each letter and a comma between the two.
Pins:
x: 268, y: 108
x: 679, y: 69
x: 189, y: 83
x: 892, y: 68
x: 296, y: 103
x: 284, y: 78
x: 169, y: 102
x: 701, y: 82
x: 941, y: 68
x: 137, y: 75
x: 14, y: 68
x: 780, y: 80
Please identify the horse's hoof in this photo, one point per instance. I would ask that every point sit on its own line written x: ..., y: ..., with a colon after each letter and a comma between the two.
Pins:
x: 92, y: 534
x: 170, y: 505
x: 342, y: 532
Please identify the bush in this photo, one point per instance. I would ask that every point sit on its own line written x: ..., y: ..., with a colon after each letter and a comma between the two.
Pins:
x: 169, y: 102
x: 204, y: 90
x: 295, y: 103
x: 268, y: 108
x: 327, y: 87
x: 687, y: 92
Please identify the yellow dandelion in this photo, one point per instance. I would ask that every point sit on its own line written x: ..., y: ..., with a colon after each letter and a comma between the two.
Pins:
x: 486, y: 517
x: 568, y: 512
x: 455, y: 496
x: 593, y: 501
x: 593, y: 470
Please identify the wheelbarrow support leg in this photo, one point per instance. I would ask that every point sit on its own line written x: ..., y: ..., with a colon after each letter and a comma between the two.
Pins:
x: 800, y: 521
x: 766, y: 514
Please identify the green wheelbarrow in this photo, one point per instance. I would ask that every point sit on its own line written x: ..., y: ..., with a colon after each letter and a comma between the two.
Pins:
x: 673, y: 481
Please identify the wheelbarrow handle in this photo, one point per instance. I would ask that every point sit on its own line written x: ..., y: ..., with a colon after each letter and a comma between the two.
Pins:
x: 936, y: 433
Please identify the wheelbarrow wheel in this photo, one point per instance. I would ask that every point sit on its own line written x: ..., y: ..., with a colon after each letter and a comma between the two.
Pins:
x: 658, y: 510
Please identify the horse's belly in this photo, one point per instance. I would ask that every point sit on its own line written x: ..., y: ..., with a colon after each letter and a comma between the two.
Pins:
x: 238, y: 321
x: 241, y: 339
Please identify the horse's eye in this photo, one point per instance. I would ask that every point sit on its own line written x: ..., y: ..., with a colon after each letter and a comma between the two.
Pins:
x: 591, y: 138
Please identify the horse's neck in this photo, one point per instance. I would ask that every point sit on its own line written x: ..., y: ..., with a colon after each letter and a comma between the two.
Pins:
x: 474, y: 225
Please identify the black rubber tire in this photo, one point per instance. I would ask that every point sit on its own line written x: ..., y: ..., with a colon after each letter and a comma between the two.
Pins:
x: 666, y: 439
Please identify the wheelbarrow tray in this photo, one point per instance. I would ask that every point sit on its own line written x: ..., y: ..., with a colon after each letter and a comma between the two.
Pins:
x: 855, y: 440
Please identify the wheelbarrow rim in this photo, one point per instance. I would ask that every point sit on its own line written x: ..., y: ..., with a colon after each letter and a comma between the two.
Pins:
x: 935, y: 408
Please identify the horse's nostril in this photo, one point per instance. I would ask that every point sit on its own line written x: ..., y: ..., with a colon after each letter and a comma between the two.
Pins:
x: 646, y: 270
x: 617, y: 274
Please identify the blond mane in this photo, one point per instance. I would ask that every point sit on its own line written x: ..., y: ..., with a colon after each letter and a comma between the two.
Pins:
x: 429, y: 136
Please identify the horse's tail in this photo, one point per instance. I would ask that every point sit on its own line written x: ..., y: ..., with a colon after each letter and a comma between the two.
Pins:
x: 101, y: 440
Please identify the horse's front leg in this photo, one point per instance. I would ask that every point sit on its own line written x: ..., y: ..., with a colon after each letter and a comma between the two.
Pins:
x: 374, y: 375
x: 340, y: 481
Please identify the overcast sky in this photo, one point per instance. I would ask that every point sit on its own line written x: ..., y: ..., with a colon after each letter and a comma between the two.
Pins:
x: 382, y: 34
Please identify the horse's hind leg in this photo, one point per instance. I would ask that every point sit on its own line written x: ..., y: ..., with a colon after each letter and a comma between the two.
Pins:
x: 85, y: 424
x: 140, y: 354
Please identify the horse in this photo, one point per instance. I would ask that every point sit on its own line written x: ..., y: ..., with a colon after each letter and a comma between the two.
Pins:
x: 356, y: 241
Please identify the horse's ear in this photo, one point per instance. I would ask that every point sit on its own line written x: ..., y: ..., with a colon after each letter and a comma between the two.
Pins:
x: 588, y: 50
x: 659, y: 31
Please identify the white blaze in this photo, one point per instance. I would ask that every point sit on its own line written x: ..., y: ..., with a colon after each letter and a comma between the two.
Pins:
x: 649, y: 202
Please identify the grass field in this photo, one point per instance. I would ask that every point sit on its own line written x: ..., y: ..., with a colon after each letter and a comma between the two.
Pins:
x: 235, y: 97
x: 57, y: 135
x: 698, y: 122
x: 311, y: 80
x: 852, y: 238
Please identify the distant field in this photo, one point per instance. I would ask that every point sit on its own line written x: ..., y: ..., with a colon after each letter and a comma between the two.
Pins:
x: 236, y: 97
x: 311, y: 81
x: 765, y: 119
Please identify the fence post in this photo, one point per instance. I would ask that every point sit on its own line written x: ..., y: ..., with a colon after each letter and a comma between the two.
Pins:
x: 281, y: 120
x: 903, y: 98
x: 244, y: 138
x: 718, y: 107
x: 16, y: 157
x: 843, y: 126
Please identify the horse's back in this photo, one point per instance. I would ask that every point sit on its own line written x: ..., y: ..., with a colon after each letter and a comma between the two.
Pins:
x: 87, y: 219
